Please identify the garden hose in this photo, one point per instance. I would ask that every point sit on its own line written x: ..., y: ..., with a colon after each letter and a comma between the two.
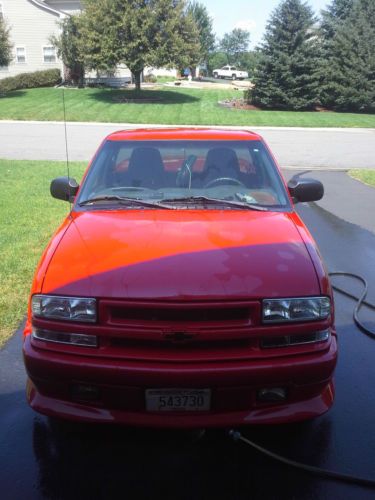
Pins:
x: 360, y: 300
x: 327, y: 474
x: 336, y: 476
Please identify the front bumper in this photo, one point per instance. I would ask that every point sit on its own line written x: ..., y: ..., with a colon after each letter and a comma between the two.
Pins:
x: 234, y: 385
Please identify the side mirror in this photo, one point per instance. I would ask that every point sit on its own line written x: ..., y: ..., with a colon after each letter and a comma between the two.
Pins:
x: 64, y: 188
x: 305, y: 189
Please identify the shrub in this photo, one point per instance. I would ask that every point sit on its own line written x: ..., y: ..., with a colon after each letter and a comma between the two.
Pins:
x: 47, y: 78
x: 150, y: 78
x: 248, y: 95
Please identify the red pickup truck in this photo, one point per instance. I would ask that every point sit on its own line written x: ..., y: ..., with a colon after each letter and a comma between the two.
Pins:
x: 182, y: 290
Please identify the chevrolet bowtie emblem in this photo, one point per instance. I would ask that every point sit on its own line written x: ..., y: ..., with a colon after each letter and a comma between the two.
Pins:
x: 179, y: 336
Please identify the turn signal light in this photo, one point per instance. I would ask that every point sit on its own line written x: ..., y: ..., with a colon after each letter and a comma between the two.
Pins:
x: 292, y: 340
x: 78, y: 339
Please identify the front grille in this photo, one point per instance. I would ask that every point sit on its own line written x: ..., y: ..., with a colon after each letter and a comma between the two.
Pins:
x: 190, y: 345
x: 190, y: 315
x: 185, y: 315
x: 191, y: 351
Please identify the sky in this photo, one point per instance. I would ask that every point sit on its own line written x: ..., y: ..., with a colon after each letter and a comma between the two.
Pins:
x: 251, y: 15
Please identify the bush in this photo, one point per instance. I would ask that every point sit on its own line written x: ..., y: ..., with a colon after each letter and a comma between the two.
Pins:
x: 248, y: 95
x: 47, y: 78
x: 150, y: 78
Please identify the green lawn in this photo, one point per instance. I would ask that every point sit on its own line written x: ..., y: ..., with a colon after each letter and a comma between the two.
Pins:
x: 29, y: 216
x: 365, y: 176
x: 170, y: 106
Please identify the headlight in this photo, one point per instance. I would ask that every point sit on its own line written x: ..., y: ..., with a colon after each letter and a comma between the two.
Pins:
x: 296, y: 309
x: 64, y: 308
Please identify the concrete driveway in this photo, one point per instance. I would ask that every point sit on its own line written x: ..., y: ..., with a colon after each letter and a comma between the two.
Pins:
x: 296, y: 147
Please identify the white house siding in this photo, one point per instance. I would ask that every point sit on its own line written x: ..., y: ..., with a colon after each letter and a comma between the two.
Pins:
x: 30, y: 27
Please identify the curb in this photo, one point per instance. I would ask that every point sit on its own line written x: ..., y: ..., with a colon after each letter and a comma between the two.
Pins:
x: 154, y: 125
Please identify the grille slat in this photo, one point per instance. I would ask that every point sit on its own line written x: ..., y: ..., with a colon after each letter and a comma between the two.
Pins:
x: 191, y: 315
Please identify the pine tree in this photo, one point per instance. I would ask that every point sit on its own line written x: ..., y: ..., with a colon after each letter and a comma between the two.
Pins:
x: 349, y: 83
x: 333, y: 16
x: 286, y: 76
x: 5, y: 45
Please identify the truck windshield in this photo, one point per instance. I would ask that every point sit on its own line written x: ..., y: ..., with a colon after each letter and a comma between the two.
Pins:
x: 183, y: 170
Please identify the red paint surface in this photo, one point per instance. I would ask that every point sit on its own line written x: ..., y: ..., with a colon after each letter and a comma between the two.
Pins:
x: 178, y: 259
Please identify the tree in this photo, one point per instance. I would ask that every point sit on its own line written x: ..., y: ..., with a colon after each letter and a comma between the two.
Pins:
x: 204, y: 24
x: 286, y: 76
x: 138, y: 33
x: 350, y: 85
x: 332, y: 18
x: 68, y: 50
x: 249, y: 61
x: 217, y: 59
x: 234, y: 44
x: 5, y: 45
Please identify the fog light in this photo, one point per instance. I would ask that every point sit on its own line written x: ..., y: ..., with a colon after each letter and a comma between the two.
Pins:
x: 271, y: 394
x: 84, y: 392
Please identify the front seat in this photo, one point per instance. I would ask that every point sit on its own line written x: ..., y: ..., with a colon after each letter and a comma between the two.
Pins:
x: 146, y: 168
x: 220, y: 162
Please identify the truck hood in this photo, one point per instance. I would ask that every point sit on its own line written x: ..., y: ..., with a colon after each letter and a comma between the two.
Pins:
x: 181, y: 255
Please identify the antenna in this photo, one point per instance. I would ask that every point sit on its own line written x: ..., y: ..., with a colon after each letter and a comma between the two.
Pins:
x: 66, y: 143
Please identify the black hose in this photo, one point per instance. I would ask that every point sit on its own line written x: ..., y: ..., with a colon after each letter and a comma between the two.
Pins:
x: 360, y: 300
x: 336, y: 476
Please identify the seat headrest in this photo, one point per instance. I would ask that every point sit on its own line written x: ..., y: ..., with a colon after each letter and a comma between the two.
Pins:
x: 146, y: 167
x: 223, y: 160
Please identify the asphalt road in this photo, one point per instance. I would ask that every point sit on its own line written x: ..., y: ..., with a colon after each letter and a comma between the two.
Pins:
x: 300, y: 148
x: 39, y: 459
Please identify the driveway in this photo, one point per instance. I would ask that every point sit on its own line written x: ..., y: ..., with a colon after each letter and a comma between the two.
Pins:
x: 344, y: 196
x: 296, y: 147
x: 40, y: 459
x: 43, y: 460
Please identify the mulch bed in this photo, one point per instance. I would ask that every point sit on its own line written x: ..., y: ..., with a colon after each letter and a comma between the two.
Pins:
x: 238, y: 104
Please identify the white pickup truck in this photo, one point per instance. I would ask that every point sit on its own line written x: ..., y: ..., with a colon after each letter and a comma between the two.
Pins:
x: 230, y: 72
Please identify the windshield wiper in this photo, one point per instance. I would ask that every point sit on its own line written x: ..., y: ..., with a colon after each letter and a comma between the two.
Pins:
x: 214, y: 201
x: 124, y: 200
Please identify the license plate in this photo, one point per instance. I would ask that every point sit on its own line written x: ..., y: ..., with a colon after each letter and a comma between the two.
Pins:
x: 178, y: 400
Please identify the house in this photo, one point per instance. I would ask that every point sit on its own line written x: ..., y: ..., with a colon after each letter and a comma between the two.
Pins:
x: 32, y: 23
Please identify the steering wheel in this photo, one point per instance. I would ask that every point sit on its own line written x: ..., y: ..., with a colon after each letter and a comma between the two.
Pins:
x: 224, y: 180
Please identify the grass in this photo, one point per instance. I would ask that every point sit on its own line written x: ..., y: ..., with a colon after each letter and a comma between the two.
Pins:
x: 29, y: 216
x: 173, y: 106
x: 365, y: 176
